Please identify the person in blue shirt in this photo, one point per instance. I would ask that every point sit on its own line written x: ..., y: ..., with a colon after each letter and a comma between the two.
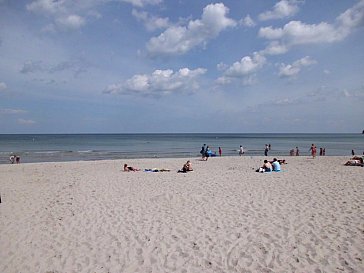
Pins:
x: 276, y: 166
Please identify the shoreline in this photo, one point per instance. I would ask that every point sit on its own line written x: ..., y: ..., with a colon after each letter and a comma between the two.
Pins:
x: 90, y: 216
x: 347, y: 157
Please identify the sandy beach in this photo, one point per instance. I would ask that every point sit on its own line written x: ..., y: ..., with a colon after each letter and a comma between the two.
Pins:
x: 222, y: 217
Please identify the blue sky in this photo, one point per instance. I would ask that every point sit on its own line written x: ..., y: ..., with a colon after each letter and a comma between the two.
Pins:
x: 123, y: 66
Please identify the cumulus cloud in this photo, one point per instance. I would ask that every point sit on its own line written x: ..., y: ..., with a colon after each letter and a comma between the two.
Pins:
x: 247, y: 65
x: 247, y: 21
x: 160, y: 82
x: 357, y: 94
x: 243, y: 69
x: 8, y: 111
x: 299, y: 33
x: 72, y: 21
x: 282, y: 9
x: 293, y: 69
x: 63, y: 15
x: 32, y: 67
x: 3, y: 86
x: 150, y: 22
x: 26, y: 121
x: 46, y: 7
x: 142, y: 3
x: 74, y: 66
x: 180, y: 39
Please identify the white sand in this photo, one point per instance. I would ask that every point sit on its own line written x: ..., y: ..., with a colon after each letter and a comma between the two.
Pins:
x: 223, y: 217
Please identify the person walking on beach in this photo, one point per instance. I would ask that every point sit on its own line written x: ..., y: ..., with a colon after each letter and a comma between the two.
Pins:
x: 297, y: 151
x: 241, y: 150
x: 220, y: 151
x: 266, y: 150
x: 313, y: 150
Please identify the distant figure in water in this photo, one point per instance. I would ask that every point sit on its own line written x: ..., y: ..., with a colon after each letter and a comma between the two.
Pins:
x: 12, y: 159
x: 266, y: 150
x: 352, y: 152
x: 220, y: 151
x: 241, y: 150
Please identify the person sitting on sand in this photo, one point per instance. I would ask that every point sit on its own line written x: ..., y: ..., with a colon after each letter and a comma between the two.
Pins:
x: 355, y: 161
x: 187, y: 167
x: 276, y: 166
x: 280, y: 161
x: 130, y: 169
x: 267, y: 167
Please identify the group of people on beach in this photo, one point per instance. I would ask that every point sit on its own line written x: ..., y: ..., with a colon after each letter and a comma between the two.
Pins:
x: 187, y: 167
x: 14, y: 159
x: 271, y: 166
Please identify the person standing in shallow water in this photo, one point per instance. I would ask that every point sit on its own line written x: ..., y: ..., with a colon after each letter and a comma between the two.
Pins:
x: 313, y: 150
x: 266, y: 150
x: 202, y: 152
x: 220, y: 151
x: 241, y: 150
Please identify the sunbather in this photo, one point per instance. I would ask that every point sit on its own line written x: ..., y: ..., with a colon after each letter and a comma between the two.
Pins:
x: 130, y: 169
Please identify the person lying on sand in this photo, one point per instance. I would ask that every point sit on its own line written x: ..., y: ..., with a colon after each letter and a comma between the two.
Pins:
x: 156, y: 170
x: 130, y: 169
x: 187, y: 167
x: 355, y: 161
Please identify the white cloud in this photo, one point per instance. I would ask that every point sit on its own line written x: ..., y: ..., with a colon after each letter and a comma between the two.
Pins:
x: 150, y: 22
x: 46, y: 6
x: 3, y: 86
x: 181, y: 39
x: 299, y: 33
x: 223, y: 80
x: 355, y: 94
x: 142, y: 3
x: 26, y: 121
x: 247, y: 65
x: 62, y: 13
x: 8, y: 111
x: 72, y: 21
x: 293, y: 69
x: 247, y: 21
x: 73, y: 66
x: 282, y: 9
x: 275, y: 48
x: 160, y: 82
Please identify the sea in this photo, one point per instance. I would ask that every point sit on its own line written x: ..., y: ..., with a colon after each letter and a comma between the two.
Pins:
x: 85, y: 147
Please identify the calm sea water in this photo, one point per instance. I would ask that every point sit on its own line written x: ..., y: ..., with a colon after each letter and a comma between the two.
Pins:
x: 58, y: 147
